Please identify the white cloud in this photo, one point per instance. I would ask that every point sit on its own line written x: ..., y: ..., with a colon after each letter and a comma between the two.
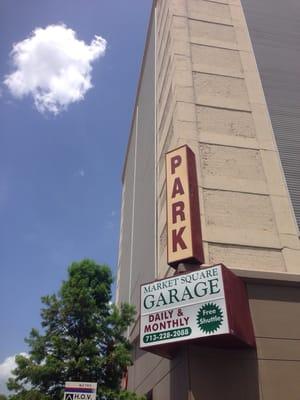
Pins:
x: 54, y: 67
x: 6, y: 367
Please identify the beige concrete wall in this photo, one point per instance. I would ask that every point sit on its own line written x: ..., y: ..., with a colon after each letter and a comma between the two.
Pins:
x: 209, y: 95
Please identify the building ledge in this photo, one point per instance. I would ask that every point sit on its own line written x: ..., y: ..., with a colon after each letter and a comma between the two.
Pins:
x: 270, y: 278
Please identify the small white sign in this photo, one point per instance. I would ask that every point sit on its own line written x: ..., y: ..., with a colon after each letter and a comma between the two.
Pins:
x: 183, y: 307
x: 80, y: 391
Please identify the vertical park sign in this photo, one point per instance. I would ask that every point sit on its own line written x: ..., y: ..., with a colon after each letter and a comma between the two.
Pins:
x: 184, y: 243
x: 208, y: 304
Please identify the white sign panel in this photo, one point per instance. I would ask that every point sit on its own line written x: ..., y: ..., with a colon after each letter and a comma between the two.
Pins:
x: 80, y: 391
x: 183, y: 307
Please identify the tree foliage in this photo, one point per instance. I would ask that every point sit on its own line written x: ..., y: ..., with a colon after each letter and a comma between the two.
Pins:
x: 81, y: 340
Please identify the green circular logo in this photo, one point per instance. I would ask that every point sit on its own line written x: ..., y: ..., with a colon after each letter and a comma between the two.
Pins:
x: 209, y: 318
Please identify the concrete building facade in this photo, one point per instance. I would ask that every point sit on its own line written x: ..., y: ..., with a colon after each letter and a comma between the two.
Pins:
x: 222, y: 77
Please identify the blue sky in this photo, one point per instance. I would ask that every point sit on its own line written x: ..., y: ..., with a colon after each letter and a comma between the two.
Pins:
x: 60, y: 175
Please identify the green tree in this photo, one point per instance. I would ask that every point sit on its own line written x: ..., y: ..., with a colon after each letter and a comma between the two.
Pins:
x: 82, y: 339
x: 3, y: 397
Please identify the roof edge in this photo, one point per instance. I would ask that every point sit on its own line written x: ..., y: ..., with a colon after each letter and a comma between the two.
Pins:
x: 139, y: 85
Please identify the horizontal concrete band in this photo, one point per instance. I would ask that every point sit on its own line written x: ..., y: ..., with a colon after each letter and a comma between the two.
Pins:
x: 269, y: 278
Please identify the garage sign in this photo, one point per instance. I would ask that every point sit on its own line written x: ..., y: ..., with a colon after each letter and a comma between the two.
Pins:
x: 183, y: 307
x: 206, y: 303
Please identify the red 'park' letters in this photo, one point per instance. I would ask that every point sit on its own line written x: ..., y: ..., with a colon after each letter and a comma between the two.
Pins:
x: 177, y: 207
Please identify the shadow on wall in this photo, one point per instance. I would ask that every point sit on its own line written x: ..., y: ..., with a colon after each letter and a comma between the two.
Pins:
x: 213, y: 374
